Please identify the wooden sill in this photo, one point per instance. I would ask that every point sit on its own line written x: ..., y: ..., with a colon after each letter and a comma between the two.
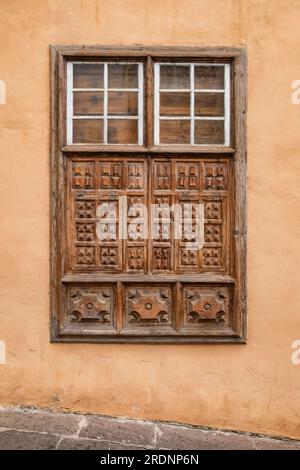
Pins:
x: 211, y: 150
x: 113, y: 277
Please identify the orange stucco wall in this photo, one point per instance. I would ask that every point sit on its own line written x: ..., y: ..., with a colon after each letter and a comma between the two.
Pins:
x: 253, y: 387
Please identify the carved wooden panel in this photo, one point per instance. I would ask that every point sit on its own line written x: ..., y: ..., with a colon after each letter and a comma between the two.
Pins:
x: 196, y: 183
x: 148, y: 305
x: 110, y: 175
x: 102, y: 193
x: 187, y: 176
x: 208, y: 306
x: 164, y: 309
x: 90, y: 308
x: 135, y: 216
x: 148, y: 240
x: 114, y: 212
x: 149, y: 309
x: 215, y: 176
x: 83, y: 175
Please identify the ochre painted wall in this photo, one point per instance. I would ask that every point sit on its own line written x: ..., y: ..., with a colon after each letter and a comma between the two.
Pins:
x: 253, y: 387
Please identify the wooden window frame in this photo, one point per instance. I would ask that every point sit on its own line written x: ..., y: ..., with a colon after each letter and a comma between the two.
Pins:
x: 192, y: 90
x: 105, y: 117
x: 235, y: 153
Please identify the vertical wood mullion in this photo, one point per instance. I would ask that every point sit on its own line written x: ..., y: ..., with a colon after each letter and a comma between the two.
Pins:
x: 69, y: 103
x: 148, y: 133
x: 150, y: 201
x: 105, y: 102
x: 178, y: 307
x: 119, y: 307
x: 192, y: 104
x: 123, y: 215
x: 174, y: 242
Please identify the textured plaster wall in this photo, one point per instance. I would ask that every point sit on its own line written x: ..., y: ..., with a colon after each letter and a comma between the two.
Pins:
x: 252, y: 387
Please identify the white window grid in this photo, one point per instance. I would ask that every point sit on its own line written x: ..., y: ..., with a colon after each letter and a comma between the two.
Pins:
x: 192, y: 90
x: 105, y: 116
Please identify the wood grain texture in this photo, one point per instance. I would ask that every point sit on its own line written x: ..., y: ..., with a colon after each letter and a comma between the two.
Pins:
x: 209, y: 104
x: 157, y: 291
x: 152, y: 150
x: 122, y: 103
x: 174, y: 104
x: 88, y: 76
x: 168, y: 52
x: 209, y: 78
x: 87, y: 103
x: 122, y: 131
x: 175, y: 132
x: 87, y: 131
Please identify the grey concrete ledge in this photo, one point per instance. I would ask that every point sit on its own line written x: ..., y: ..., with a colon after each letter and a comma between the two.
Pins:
x: 28, y: 428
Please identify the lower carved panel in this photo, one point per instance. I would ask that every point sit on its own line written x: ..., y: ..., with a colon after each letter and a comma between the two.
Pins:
x: 129, y: 311
x: 148, y: 306
x: 90, y: 307
x: 206, y: 305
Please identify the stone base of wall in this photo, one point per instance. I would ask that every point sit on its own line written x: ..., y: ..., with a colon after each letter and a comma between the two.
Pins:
x: 23, y: 428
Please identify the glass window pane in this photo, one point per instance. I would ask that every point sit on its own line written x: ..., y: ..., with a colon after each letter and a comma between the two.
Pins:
x: 207, y: 77
x: 174, y: 76
x: 175, y: 131
x: 174, y: 104
x: 88, y: 75
x: 209, y: 132
x: 122, y: 131
x: 87, y: 131
x: 122, y: 103
x: 209, y: 104
x: 122, y: 76
x: 87, y: 103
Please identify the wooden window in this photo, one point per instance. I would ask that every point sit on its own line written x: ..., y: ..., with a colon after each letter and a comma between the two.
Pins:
x: 148, y: 159
x: 192, y: 103
x: 104, y: 103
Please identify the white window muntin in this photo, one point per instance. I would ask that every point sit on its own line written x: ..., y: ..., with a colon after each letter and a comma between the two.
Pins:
x: 105, y: 90
x: 192, y: 90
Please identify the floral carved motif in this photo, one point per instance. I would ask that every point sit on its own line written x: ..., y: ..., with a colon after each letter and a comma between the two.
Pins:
x: 205, y: 306
x: 148, y: 305
x: 90, y: 305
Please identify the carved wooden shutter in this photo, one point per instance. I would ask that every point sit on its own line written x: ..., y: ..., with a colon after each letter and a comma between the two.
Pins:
x: 148, y: 195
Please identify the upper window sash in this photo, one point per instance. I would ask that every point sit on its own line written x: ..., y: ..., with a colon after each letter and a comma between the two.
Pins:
x: 185, y: 110
x: 104, y: 126
x: 191, y: 106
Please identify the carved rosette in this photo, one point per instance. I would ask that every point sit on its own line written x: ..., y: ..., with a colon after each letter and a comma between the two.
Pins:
x: 206, y: 306
x: 90, y: 305
x: 148, y: 305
